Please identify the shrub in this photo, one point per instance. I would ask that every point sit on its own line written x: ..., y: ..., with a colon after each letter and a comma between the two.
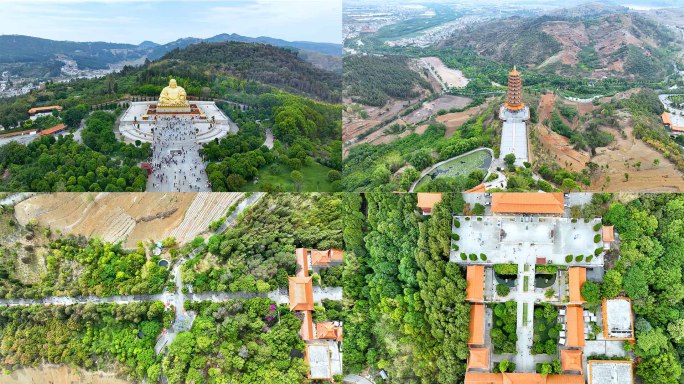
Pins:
x: 546, y: 268
x: 589, y: 258
x: 598, y: 251
x: 568, y: 258
x: 455, y: 247
x: 473, y: 257
x: 549, y: 293
x: 574, y: 220
x: 502, y: 290
x: 464, y: 256
x: 483, y: 257
x: 467, y: 218
x: 579, y: 258
x: 597, y: 238
x: 457, y: 223
x: 597, y: 227
x: 455, y: 237
x: 506, y: 269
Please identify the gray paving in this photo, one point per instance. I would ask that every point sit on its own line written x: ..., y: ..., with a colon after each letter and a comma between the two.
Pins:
x: 176, y: 161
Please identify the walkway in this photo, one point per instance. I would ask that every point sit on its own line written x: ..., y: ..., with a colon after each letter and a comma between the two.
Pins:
x: 524, y: 361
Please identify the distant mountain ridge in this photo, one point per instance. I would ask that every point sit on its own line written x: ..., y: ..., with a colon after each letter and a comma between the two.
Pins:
x: 98, y: 55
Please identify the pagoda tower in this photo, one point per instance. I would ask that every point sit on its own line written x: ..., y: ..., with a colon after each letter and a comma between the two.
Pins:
x: 514, y: 100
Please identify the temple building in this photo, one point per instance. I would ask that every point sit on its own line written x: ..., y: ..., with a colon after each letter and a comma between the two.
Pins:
x: 514, y: 100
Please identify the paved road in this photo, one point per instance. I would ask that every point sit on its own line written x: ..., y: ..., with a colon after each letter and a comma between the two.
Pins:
x: 269, y: 139
x: 356, y: 379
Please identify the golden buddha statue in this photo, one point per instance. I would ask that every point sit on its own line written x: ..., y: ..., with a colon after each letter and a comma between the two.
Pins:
x: 173, y: 95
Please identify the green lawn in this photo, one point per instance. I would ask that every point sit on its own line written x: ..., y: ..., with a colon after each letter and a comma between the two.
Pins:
x: 315, y: 179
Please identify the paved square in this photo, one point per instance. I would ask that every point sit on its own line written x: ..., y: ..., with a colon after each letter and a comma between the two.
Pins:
x: 507, y: 238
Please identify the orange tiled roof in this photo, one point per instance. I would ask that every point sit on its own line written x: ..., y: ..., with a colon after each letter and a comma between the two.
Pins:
x: 301, y: 293
x: 477, y: 189
x: 475, y: 278
x: 574, y: 318
x: 325, y: 258
x: 302, y: 262
x: 483, y: 378
x: 476, y: 325
x: 571, y: 360
x: 565, y: 379
x: 306, y: 332
x: 44, y: 109
x: 319, y: 258
x: 54, y: 129
x: 522, y: 202
x: 578, y: 276
x: 327, y: 330
x: 478, y: 358
x: 608, y: 234
x: 520, y: 378
x: 426, y: 201
x: 667, y: 120
x: 336, y: 254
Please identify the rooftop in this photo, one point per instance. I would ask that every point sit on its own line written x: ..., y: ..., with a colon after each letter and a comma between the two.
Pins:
x: 475, y: 278
x: 608, y: 234
x: 574, y: 320
x: 301, y: 293
x: 476, y: 324
x: 52, y: 130
x: 44, y: 109
x: 610, y: 372
x: 577, y: 278
x: 426, y: 201
x: 617, y: 319
x: 523, y: 202
x: 478, y: 358
x: 318, y: 356
x: 571, y: 360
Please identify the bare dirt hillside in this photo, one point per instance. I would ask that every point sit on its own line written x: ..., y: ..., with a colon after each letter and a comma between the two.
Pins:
x: 622, y: 44
x: 129, y: 217
x: 58, y: 375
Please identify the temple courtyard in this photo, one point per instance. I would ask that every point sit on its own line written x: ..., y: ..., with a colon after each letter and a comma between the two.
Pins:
x: 177, y: 128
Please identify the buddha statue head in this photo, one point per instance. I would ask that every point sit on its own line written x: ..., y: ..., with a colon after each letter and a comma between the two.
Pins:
x: 172, y: 83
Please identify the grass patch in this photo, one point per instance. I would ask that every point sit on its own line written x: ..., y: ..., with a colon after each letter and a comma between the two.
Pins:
x: 278, y: 175
x: 526, y: 284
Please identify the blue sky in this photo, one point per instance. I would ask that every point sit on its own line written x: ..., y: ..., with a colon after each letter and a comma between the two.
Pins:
x: 134, y: 21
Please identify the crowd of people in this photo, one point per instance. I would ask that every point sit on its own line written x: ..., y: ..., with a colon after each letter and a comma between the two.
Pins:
x: 176, y: 161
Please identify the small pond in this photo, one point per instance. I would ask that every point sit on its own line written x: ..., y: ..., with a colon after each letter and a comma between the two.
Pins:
x: 459, y: 166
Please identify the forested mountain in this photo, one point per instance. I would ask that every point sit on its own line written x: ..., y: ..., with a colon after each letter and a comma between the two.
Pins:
x: 372, y: 80
x: 615, y: 44
x: 323, y: 48
x: 94, y: 55
x: 263, y: 63
x: 42, y: 54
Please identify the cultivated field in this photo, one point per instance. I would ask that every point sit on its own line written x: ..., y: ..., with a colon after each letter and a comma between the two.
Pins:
x: 59, y: 375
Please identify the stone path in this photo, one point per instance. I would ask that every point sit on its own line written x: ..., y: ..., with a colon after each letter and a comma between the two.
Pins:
x: 524, y: 360
x: 176, y: 160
